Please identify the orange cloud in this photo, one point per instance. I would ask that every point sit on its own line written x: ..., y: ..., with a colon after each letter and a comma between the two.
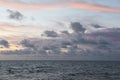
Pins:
x: 94, y: 7
x: 7, y: 27
x: 23, y: 6
x: 20, y: 30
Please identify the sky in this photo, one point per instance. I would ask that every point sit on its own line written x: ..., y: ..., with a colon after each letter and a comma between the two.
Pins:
x: 60, y: 29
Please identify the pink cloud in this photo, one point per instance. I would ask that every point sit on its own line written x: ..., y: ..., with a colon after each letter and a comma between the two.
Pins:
x: 23, y: 6
x: 94, y: 7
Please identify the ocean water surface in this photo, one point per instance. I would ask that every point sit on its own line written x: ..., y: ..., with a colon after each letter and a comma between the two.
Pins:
x: 59, y: 70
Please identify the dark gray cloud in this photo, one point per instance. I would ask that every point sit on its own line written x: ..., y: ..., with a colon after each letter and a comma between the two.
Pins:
x: 97, y: 26
x: 96, y: 49
x: 65, y: 32
x: 15, y: 15
x: 112, y: 34
x: 100, y: 45
x: 18, y: 52
x: 77, y: 27
x: 5, y: 43
x: 41, y: 46
x: 50, y: 34
x: 27, y: 43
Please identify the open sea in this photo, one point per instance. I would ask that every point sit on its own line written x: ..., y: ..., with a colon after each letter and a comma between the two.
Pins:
x: 59, y: 70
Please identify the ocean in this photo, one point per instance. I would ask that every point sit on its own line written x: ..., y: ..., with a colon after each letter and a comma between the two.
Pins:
x: 59, y: 70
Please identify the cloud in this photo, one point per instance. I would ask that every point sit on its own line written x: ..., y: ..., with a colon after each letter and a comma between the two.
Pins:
x: 97, y: 26
x: 110, y: 33
x: 65, y: 32
x: 20, y: 30
x: 50, y: 34
x: 104, y: 43
x: 18, y: 52
x: 83, y: 48
x: 94, y: 7
x: 41, y: 46
x: 24, y: 6
x: 77, y: 27
x: 27, y: 43
x: 15, y: 15
x: 5, y: 43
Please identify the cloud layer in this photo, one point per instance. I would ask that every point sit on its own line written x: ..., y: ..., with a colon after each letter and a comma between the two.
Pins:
x: 84, y: 6
x: 103, y: 44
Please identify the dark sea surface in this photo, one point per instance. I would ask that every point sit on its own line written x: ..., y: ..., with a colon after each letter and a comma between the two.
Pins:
x: 59, y: 70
